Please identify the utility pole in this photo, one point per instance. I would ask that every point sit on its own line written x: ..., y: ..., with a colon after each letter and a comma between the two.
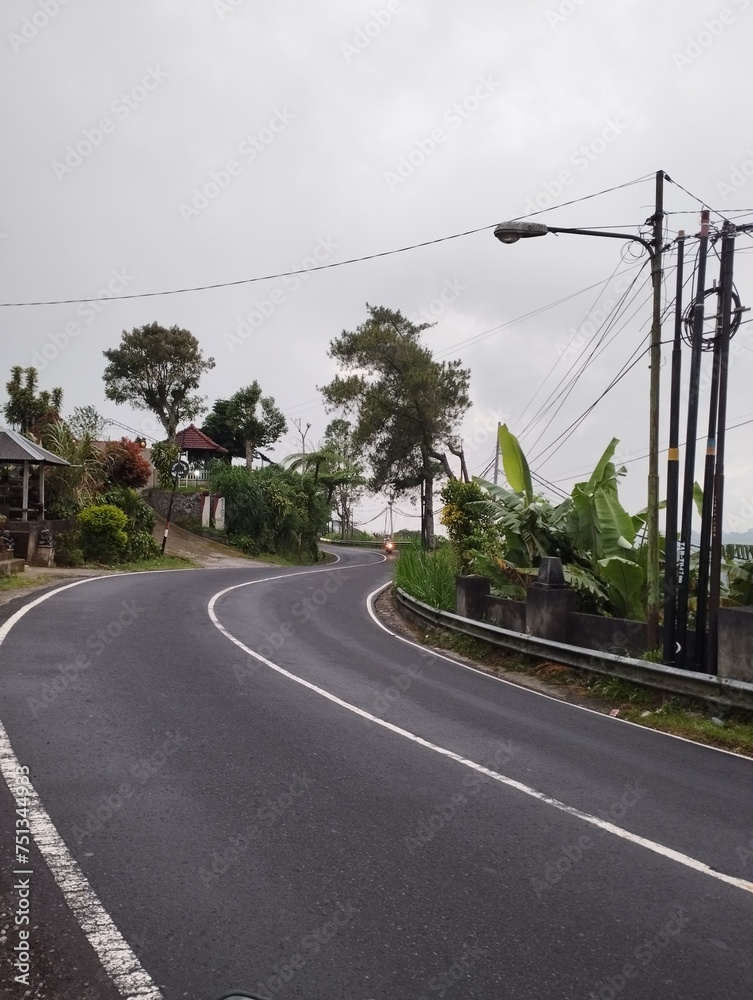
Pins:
x: 725, y: 330
x: 652, y: 521
x: 696, y: 343
x: 673, y: 470
x: 496, y: 456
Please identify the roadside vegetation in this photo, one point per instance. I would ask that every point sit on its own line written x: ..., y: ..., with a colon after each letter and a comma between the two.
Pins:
x: 428, y: 576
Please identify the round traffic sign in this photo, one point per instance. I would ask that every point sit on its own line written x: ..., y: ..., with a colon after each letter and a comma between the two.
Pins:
x: 180, y: 469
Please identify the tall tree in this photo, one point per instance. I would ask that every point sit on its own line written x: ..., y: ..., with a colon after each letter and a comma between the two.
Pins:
x: 407, y: 406
x: 28, y: 410
x: 245, y: 422
x: 346, y: 477
x: 158, y: 369
x: 87, y: 421
x: 218, y: 427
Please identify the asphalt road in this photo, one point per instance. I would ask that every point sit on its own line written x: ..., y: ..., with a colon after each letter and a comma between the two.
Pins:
x: 230, y: 822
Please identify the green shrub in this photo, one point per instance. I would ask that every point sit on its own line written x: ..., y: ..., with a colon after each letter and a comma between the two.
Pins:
x: 271, y: 510
x: 141, y: 544
x: 103, y: 534
x: 163, y: 457
x: 428, y: 576
x: 68, y: 548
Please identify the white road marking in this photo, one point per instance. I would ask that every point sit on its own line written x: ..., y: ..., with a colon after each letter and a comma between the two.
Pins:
x: 112, y: 949
x: 617, y: 831
x: 117, y: 958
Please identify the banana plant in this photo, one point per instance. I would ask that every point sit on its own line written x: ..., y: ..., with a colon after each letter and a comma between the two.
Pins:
x: 590, y: 530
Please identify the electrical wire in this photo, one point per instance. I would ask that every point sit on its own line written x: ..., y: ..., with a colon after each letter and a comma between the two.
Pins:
x: 477, y: 338
x: 566, y: 477
x: 571, y: 427
x: 566, y: 388
x: 308, y: 270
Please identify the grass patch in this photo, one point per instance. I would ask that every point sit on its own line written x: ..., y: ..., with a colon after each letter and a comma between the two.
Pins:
x: 17, y: 581
x: 694, y: 723
x: 428, y: 576
x: 159, y: 562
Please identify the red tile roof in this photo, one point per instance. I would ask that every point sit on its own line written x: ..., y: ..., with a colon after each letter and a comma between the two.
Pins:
x: 192, y: 439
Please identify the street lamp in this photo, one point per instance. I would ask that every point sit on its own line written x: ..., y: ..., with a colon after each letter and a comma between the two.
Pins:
x: 511, y: 232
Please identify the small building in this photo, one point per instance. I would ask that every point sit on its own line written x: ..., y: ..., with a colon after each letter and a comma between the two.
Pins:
x: 22, y: 468
x: 199, y: 449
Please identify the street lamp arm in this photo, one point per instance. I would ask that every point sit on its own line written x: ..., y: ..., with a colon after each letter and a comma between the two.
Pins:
x: 613, y: 236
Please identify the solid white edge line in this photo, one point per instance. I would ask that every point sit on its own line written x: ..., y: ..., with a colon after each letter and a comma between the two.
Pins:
x: 541, y: 694
x: 617, y: 831
x: 115, y: 954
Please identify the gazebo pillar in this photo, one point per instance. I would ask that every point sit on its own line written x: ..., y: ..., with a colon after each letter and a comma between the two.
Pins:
x: 25, y: 494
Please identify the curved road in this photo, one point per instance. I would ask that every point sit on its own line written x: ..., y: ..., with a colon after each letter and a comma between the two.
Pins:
x: 265, y: 789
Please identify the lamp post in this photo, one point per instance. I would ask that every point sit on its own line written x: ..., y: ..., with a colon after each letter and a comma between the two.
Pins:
x: 511, y: 232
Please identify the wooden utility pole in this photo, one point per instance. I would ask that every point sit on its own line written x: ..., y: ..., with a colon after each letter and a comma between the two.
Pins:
x: 652, y: 523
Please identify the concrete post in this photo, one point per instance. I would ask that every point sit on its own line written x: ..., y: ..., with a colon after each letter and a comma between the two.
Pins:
x: 549, y: 602
x: 471, y: 593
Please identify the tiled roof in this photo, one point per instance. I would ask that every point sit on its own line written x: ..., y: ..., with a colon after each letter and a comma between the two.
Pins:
x: 14, y: 447
x: 192, y: 439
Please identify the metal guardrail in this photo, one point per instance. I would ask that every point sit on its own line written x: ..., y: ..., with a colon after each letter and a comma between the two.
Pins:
x: 356, y: 543
x: 689, y: 683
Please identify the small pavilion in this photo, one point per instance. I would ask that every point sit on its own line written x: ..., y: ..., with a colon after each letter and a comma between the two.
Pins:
x: 17, y: 456
x: 197, y: 446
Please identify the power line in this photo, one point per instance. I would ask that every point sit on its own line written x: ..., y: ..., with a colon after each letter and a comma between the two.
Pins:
x: 596, y: 350
x: 640, y: 458
x: 306, y: 270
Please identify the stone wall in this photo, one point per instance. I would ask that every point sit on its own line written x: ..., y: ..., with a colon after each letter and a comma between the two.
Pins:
x: 548, y: 614
x: 186, y: 506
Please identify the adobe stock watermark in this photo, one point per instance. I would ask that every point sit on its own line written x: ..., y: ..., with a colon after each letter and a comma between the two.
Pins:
x: 264, y: 307
x: 46, y: 11
x: 122, y: 108
x: 453, y: 119
x: 220, y: 180
x: 563, y: 10
x: 643, y: 955
x: 450, y: 292
x: 366, y: 33
x: 745, y: 851
x: 86, y: 312
x: 572, y: 854
x: 738, y: 177
x: 580, y: 337
x: 429, y: 826
x: 581, y: 159
x: 704, y: 38
x: 224, y: 7
x: 442, y: 983
x: 302, y: 611
x: 309, y: 947
x: 263, y: 818
x: 102, y: 809
x: 97, y: 642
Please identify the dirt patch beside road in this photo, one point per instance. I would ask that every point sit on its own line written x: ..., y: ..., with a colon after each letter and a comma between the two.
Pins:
x: 208, y: 554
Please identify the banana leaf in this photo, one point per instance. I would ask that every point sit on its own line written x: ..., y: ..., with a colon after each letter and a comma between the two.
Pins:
x: 625, y: 580
x: 617, y: 531
x: 515, y: 464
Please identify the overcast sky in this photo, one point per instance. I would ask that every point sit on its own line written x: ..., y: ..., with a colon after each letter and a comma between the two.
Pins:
x: 162, y: 144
